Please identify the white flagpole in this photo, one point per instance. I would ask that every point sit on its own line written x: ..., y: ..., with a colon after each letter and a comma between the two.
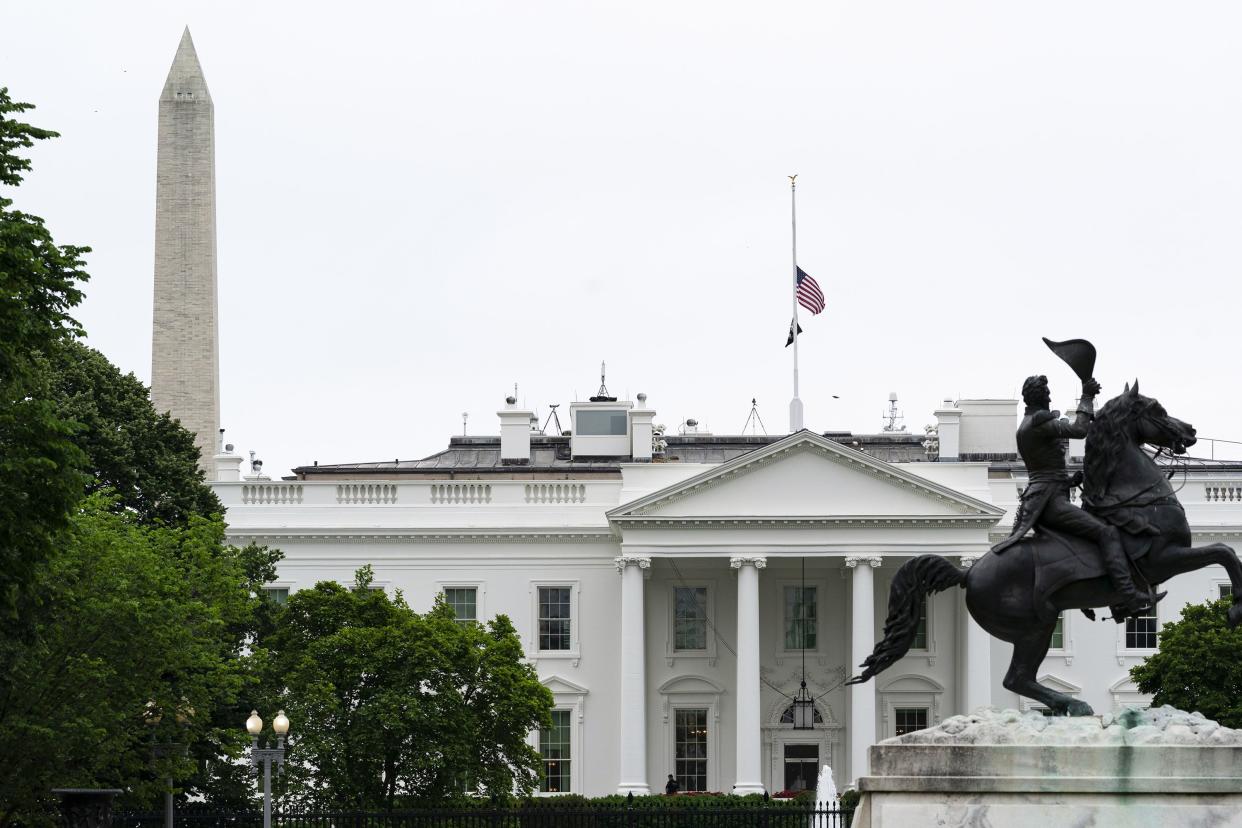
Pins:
x: 795, y: 405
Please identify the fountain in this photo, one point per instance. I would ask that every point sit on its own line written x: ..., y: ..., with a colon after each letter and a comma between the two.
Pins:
x: 825, y: 801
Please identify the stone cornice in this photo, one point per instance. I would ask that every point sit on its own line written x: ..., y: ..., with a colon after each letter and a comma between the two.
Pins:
x: 807, y: 521
x: 421, y: 536
x: 808, y: 442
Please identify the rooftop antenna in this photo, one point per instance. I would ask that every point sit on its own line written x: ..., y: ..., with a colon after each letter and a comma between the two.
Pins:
x: 893, y: 419
x: 602, y: 394
x: 553, y: 418
x: 465, y: 415
x: 754, y: 419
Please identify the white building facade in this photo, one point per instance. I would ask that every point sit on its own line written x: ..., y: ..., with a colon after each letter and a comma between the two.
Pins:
x: 673, y: 603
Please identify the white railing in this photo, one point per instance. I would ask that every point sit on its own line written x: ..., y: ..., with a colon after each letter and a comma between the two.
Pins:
x: 457, y: 493
x: 271, y: 494
x: 555, y: 492
x: 367, y: 493
x: 1223, y: 493
x: 546, y: 494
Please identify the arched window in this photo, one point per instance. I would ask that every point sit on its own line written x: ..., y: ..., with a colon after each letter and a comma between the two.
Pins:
x: 788, y: 716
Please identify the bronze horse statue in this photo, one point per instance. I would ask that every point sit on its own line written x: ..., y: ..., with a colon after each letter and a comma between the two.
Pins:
x: 1016, y: 596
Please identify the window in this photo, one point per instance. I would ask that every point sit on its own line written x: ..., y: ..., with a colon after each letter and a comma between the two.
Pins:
x: 690, y: 740
x: 601, y: 423
x: 554, y: 747
x: 554, y: 618
x: 920, y: 632
x: 690, y: 618
x: 800, y: 610
x: 1141, y: 631
x: 277, y: 595
x: 910, y: 719
x: 1058, y: 634
x: 464, y: 601
x: 1224, y: 591
x: 788, y: 716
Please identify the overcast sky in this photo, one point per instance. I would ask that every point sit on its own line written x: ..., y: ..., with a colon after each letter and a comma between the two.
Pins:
x: 421, y: 204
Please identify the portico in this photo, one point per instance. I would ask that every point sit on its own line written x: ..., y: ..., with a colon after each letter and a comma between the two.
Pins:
x: 733, y: 538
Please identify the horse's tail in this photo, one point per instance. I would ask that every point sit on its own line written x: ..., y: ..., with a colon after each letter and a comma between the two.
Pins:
x: 922, y: 576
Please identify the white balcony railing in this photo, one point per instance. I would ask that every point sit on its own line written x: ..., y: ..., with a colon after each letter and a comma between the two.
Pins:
x: 440, y: 493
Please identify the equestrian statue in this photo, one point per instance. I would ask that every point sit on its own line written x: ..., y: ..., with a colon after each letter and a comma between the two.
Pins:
x: 1130, y: 533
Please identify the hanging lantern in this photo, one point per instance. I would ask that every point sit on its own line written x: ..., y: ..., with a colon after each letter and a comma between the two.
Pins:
x: 803, y: 710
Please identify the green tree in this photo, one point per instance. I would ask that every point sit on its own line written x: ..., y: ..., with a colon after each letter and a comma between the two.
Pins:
x: 1197, y: 666
x: 128, y: 613
x: 39, y: 478
x: 391, y: 707
x: 147, y: 460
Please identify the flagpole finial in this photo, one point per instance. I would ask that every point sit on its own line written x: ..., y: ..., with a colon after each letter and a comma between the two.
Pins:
x: 793, y: 180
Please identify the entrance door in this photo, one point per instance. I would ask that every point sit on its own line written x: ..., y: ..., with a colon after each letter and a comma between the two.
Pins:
x: 801, y: 767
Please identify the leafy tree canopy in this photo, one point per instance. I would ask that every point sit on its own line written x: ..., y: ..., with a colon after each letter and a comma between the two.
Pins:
x: 391, y: 707
x: 1197, y: 667
x: 147, y: 460
x: 39, y: 477
x: 129, y: 614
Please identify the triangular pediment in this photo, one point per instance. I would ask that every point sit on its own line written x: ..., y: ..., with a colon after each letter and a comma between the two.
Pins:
x: 805, y: 475
x: 558, y: 684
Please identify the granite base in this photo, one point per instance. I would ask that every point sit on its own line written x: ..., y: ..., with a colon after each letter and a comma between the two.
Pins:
x: 994, y: 768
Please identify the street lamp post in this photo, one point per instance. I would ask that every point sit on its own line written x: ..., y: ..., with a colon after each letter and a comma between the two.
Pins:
x: 166, y: 750
x: 280, y: 726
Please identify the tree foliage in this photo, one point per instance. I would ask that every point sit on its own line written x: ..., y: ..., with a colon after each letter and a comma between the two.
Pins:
x: 1197, y: 667
x: 147, y: 460
x: 128, y: 613
x: 392, y: 707
x: 39, y: 477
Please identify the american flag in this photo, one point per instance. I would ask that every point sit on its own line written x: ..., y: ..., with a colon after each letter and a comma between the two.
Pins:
x: 809, y: 294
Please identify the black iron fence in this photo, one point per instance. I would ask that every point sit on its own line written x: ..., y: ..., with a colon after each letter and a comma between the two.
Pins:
x: 618, y: 816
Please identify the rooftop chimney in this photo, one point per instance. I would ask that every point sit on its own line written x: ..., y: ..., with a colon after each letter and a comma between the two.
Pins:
x: 514, y: 434
x: 949, y: 429
x: 640, y: 431
x: 228, y: 464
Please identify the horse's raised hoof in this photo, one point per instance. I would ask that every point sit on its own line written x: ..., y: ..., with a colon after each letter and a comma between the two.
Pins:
x: 1235, y: 614
x: 1077, y: 707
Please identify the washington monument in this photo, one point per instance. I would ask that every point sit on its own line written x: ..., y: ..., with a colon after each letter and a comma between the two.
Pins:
x: 185, y: 362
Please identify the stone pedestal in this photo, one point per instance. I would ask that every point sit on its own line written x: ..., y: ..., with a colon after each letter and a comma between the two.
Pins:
x: 86, y: 807
x: 1141, y: 768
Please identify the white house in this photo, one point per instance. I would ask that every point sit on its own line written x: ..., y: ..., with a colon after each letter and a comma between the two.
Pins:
x: 672, y: 603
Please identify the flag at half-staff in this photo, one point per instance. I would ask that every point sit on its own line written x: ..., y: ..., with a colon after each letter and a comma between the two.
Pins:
x: 808, y: 292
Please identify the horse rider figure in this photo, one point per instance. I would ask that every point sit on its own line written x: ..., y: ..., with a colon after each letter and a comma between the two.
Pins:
x: 1043, y: 441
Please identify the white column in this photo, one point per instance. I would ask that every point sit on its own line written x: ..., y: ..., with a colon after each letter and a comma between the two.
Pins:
x: 978, y: 674
x: 862, y: 642
x: 749, y: 734
x: 633, y: 720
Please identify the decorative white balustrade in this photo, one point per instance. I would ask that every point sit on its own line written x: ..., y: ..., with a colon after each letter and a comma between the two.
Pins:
x: 271, y: 494
x: 421, y: 494
x: 366, y: 493
x: 1227, y: 493
x: 556, y: 492
x: 461, y: 493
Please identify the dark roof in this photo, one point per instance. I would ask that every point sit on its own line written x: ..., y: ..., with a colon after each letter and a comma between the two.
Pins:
x: 550, y: 455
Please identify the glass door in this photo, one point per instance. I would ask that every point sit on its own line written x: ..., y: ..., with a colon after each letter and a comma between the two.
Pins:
x: 801, y: 767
